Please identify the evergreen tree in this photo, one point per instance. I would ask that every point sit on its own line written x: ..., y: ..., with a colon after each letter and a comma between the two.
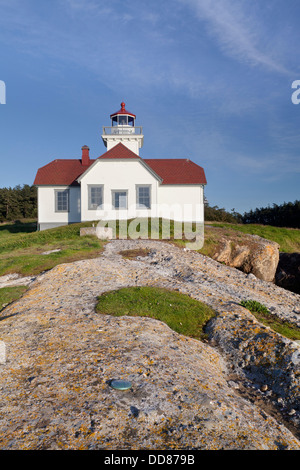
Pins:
x: 18, y: 202
x: 284, y: 215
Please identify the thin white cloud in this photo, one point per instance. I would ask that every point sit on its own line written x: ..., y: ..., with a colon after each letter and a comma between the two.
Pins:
x: 237, y: 29
x: 84, y: 5
x: 140, y: 43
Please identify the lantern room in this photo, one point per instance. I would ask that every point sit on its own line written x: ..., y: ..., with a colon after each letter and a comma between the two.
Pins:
x: 122, y: 117
x: 124, y: 130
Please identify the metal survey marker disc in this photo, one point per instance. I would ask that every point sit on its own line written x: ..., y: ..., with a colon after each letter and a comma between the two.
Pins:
x: 120, y: 384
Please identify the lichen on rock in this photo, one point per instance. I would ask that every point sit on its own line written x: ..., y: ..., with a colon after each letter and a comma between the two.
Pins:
x: 61, y: 355
x: 251, y: 255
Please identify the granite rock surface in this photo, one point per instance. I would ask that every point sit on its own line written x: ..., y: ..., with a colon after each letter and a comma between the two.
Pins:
x: 239, y: 390
x: 253, y: 254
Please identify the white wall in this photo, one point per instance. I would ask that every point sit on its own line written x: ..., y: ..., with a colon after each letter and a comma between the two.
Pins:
x: 117, y: 175
x: 184, y: 202
x: 133, y: 143
x: 176, y: 202
x: 46, y: 206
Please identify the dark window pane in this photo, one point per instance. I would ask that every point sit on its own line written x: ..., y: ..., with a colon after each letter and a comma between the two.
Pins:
x: 122, y: 120
x: 120, y: 200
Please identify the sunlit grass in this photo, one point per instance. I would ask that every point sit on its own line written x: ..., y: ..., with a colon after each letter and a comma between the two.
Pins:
x: 9, y: 294
x: 180, y: 312
x: 22, y: 252
x: 263, y: 315
x: 22, y: 247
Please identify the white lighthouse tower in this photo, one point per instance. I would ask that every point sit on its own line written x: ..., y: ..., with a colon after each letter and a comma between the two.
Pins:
x: 123, y: 130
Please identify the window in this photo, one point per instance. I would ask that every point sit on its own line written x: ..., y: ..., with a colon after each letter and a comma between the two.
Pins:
x: 122, y: 120
x: 130, y: 121
x: 95, y: 197
x: 143, y: 198
x: 119, y: 199
x: 62, y: 200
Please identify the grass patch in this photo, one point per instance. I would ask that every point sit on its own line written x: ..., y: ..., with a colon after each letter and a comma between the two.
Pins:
x: 263, y: 315
x: 180, y: 312
x: 9, y: 294
x: 22, y: 252
x: 25, y: 226
x: 254, y: 306
x: 21, y: 246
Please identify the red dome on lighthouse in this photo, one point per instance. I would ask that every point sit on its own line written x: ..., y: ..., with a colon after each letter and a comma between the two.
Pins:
x: 123, y: 130
x: 123, y: 111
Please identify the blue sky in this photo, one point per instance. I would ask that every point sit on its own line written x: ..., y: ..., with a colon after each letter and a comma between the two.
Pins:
x: 209, y: 80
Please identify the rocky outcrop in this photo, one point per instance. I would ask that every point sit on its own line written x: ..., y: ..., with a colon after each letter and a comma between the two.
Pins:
x: 259, y: 353
x: 288, y: 272
x: 103, y: 233
x: 251, y: 254
x: 238, y: 391
x: 11, y: 280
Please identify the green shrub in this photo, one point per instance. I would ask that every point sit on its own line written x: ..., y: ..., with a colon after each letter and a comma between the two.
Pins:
x: 263, y: 315
x: 254, y: 306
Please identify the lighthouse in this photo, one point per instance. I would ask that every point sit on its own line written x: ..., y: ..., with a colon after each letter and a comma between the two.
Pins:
x: 123, y: 130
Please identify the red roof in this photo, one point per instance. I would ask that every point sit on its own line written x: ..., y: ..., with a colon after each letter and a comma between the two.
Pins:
x: 60, y: 172
x: 119, y: 151
x: 170, y: 170
x: 122, y: 111
x: 177, y: 170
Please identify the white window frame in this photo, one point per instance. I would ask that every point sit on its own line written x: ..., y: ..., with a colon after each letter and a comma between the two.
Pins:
x: 93, y: 207
x: 113, y: 195
x: 142, y: 206
x: 57, y: 192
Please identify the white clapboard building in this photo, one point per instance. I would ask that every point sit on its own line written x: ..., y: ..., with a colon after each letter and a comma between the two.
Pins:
x: 120, y: 183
